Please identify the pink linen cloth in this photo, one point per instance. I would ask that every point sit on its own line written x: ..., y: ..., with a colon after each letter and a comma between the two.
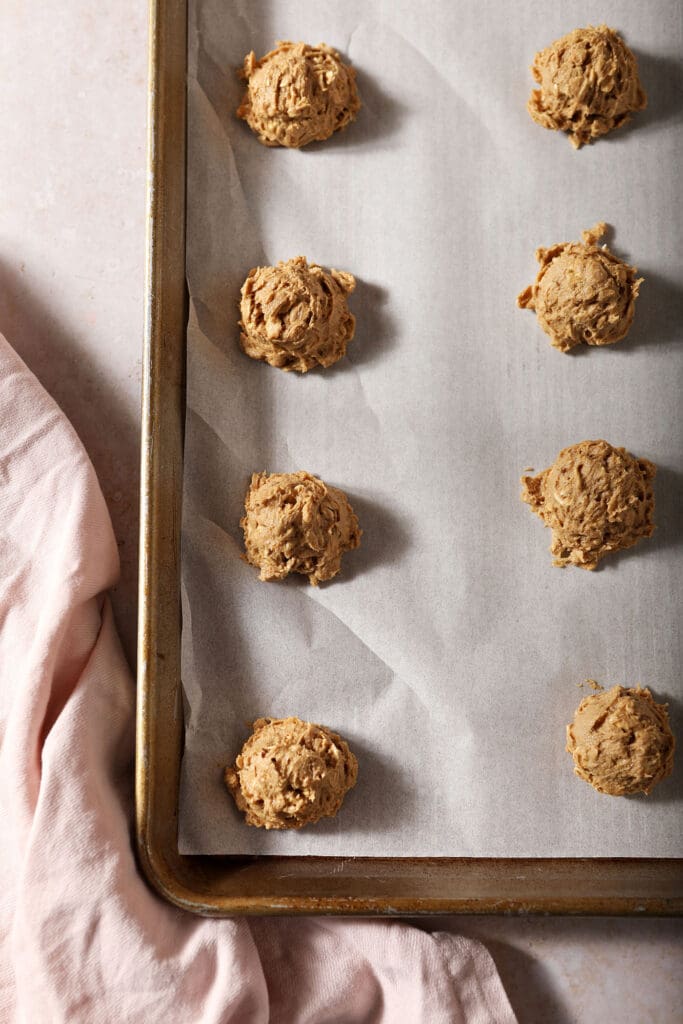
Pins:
x: 82, y: 938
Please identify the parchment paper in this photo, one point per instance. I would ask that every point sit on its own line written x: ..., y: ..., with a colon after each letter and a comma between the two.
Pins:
x: 449, y: 652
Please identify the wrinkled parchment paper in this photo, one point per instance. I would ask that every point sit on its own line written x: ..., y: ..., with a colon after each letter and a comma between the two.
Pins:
x: 449, y: 652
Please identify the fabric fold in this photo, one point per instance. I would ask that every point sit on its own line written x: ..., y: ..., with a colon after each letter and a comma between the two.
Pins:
x: 83, y: 939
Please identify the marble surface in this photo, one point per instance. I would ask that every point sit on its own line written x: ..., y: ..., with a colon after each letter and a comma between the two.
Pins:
x: 583, y: 971
x: 72, y: 180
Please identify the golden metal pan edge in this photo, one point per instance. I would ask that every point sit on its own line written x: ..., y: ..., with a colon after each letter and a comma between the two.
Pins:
x: 224, y: 886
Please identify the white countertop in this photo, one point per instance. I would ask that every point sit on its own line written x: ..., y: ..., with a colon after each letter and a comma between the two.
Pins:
x: 72, y: 180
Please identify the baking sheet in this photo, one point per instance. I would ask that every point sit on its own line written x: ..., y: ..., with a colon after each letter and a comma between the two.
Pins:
x: 449, y: 652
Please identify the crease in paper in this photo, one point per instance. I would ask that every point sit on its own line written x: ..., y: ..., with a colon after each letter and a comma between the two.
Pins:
x: 448, y: 651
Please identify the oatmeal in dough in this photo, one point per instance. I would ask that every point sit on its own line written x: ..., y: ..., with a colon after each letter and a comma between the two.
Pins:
x: 596, y: 499
x: 621, y: 741
x: 298, y: 94
x: 293, y: 522
x: 588, y: 84
x: 290, y: 774
x: 295, y: 315
x: 583, y: 293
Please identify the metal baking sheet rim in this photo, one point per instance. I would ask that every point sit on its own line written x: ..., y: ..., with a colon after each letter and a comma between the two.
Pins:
x: 226, y: 886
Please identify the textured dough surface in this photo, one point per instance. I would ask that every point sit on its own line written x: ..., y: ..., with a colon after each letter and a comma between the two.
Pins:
x: 596, y: 499
x: 298, y: 94
x: 582, y: 293
x: 621, y: 741
x: 290, y: 774
x: 589, y: 84
x: 293, y: 522
x: 295, y: 316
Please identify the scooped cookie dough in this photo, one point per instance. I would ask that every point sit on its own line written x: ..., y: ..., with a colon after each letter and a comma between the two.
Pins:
x: 588, y: 84
x: 293, y: 522
x: 621, y: 741
x: 298, y: 94
x: 290, y: 774
x: 583, y: 293
x: 596, y: 499
x: 295, y: 315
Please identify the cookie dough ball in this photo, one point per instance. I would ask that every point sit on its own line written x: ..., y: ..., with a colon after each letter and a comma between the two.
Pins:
x: 589, y: 84
x: 621, y: 741
x: 293, y: 522
x: 596, y: 499
x: 290, y: 774
x: 298, y: 94
x: 295, y: 315
x: 583, y: 293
